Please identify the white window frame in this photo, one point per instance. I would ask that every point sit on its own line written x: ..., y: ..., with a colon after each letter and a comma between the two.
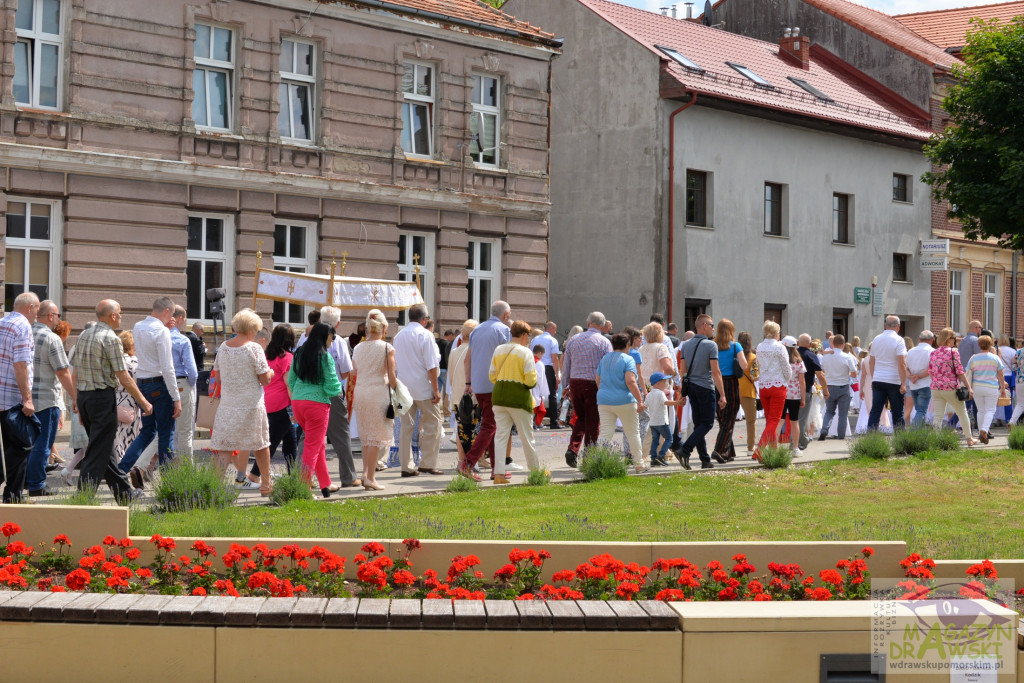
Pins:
x: 412, y: 99
x: 36, y: 39
x: 55, y: 245
x: 991, y: 299
x: 291, y: 79
x: 290, y: 263
x: 227, y: 258
x: 407, y: 268
x: 957, y: 321
x: 208, y: 65
x: 480, y: 309
x: 480, y: 112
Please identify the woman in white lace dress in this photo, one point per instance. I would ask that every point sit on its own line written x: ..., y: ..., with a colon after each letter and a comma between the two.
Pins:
x: 241, y: 423
x: 374, y: 362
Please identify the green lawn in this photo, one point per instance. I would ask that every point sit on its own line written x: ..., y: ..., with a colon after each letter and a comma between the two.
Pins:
x: 950, y: 506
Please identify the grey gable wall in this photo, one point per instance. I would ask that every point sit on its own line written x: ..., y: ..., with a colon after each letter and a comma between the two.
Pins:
x: 608, y: 169
x: 766, y: 19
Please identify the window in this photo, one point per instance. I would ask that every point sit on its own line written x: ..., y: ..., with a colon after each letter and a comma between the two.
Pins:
x: 750, y: 74
x: 956, y: 300
x: 900, y: 268
x: 296, y: 91
x: 774, y: 313
x: 37, y: 53
x: 294, y: 252
x: 696, y: 198
x: 33, y: 259
x: 212, y: 78
x: 486, y: 121
x: 484, y: 286
x: 900, y: 183
x: 841, y: 218
x: 772, y: 209
x: 811, y: 89
x: 691, y: 310
x: 991, y: 318
x: 418, y: 109
x: 413, y: 248
x: 210, y: 253
x: 680, y: 58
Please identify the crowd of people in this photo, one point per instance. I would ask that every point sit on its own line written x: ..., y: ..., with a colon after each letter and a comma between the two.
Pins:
x: 131, y: 396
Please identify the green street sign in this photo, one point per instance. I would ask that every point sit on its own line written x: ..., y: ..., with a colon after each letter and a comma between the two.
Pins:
x: 861, y: 295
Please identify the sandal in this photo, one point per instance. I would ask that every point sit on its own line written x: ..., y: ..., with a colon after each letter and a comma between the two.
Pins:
x: 266, y: 490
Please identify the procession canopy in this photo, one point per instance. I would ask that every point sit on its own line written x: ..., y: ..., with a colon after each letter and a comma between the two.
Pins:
x: 310, y: 289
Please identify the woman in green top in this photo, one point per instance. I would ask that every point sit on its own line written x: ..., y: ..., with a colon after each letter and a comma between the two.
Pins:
x: 514, y: 373
x: 312, y: 381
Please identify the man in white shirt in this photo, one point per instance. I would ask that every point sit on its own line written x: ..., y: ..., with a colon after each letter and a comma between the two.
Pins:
x: 156, y: 380
x: 552, y: 361
x: 888, y: 373
x: 839, y: 368
x: 418, y: 365
x: 337, y: 422
x: 920, y: 378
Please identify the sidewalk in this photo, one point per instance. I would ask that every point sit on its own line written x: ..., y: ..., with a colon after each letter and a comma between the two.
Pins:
x: 551, y: 446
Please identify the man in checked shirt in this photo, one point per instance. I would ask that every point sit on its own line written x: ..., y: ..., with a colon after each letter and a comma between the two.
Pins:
x: 16, y: 351
x: 579, y: 368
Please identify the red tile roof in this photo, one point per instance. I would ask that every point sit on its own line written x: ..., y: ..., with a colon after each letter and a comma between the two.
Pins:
x: 949, y: 28
x: 886, y: 29
x: 713, y: 49
x: 467, y: 10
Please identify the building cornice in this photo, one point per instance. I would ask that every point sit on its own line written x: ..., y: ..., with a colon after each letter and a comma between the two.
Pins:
x: 121, y: 166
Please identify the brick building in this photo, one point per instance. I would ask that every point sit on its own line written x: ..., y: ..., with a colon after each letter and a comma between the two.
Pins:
x: 148, y: 148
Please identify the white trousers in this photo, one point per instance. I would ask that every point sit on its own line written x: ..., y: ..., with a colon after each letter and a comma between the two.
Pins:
x: 504, y: 418
x: 630, y: 427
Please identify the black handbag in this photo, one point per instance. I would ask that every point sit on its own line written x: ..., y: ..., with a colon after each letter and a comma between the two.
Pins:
x: 684, y: 383
x: 962, y: 392
x: 389, y: 412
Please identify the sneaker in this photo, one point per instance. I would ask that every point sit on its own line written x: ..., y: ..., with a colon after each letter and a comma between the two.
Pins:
x: 514, y: 466
x: 135, y: 475
x: 502, y: 479
x: 247, y: 483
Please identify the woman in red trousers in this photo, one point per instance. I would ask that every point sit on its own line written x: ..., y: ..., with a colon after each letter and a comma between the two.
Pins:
x: 774, y: 373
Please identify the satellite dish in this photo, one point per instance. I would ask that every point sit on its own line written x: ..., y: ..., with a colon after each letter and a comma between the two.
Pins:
x: 709, y: 18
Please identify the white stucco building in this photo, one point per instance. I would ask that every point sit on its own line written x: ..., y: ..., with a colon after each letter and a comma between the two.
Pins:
x: 694, y: 170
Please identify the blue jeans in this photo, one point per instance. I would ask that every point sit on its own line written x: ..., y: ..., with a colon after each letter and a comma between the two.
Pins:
x: 703, y: 405
x: 35, y: 473
x: 660, y: 432
x: 159, y: 423
x: 922, y: 397
x: 880, y: 393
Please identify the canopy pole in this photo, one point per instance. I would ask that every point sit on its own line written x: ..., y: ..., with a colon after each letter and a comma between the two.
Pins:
x: 256, y: 275
x: 334, y: 265
x: 416, y: 270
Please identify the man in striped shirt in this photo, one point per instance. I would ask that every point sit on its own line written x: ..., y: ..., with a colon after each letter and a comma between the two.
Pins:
x: 579, y: 366
x: 16, y: 351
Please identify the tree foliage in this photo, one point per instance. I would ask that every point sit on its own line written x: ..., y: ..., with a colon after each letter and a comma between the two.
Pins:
x: 980, y: 157
x: 495, y: 3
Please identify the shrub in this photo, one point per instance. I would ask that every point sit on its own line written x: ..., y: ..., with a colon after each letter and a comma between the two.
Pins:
x: 538, y: 477
x: 776, y: 457
x: 873, y: 445
x: 83, y: 496
x: 290, y: 487
x: 946, y: 440
x: 185, y: 485
x: 912, y: 440
x: 460, y: 484
x: 1015, y: 440
x: 602, y: 462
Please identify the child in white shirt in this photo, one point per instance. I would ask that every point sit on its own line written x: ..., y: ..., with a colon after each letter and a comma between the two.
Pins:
x: 540, y: 390
x: 657, y: 404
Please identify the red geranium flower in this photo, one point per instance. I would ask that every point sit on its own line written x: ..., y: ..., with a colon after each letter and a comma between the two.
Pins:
x: 77, y: 580
x: 9, y: 529
x: 61, y: 539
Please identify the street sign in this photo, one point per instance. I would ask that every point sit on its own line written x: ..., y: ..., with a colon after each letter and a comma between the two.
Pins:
x: 876, y: 304
x: 861, y: 295
x: 934, y: 247
x: 933, y: 262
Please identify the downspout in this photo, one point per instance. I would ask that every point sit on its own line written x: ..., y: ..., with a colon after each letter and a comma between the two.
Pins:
x: 672, y: 197
x: 1013, y: 297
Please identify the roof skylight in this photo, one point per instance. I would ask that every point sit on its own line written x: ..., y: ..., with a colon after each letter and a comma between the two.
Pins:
x: 750, y: 74
x: 811, y: 89
x: 680, y: 58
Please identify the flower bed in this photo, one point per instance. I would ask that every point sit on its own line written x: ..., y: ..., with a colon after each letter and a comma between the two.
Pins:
x: 294, y: 571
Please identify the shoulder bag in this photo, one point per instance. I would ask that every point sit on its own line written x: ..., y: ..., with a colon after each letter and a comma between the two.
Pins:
x: 737, y: 371
x: 684, y: 383
x: 389, y: 412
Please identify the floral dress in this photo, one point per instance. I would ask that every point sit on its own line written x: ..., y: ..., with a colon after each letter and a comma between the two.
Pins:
x: 241, y: 423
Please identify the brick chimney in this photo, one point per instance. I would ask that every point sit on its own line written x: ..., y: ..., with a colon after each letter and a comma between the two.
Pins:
x: 796, y: 47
